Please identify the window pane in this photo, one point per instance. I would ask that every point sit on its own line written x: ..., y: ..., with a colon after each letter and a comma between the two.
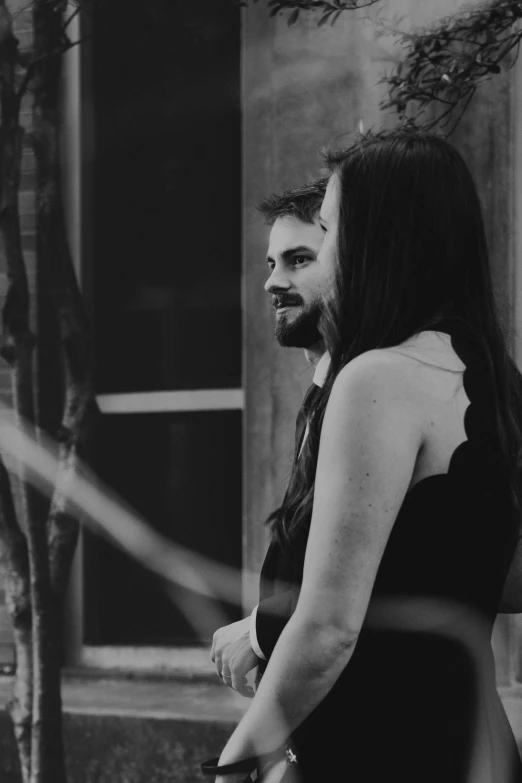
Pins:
x: 166, y: 201
x: 182, y: 472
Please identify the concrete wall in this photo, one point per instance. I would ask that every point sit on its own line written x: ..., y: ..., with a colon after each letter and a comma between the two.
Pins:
x: 304, y: 88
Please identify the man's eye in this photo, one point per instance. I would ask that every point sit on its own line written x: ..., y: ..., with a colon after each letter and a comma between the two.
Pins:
x: 298, y: 260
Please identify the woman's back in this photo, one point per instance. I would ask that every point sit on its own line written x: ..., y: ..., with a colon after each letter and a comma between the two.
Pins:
x: 436, y: 371
x: 418, y: 697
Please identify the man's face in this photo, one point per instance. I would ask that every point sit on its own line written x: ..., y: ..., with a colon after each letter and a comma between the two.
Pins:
x: 297, y: 282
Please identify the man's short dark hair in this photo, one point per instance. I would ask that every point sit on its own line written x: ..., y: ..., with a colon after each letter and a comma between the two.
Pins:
x: 302, y: 203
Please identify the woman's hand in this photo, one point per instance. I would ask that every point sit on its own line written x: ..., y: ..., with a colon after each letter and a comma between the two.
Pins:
x: 234, y: 656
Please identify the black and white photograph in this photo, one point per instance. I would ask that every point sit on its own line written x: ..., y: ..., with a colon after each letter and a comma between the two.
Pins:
x: 260, y: 391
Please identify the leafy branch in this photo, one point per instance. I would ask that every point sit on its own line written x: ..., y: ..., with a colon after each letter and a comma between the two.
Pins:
x: 330, y: 10
x: 445, y: 65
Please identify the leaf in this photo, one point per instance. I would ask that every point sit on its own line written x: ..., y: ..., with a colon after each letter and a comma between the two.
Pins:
x: 323, y: 20
x: 294, y: 16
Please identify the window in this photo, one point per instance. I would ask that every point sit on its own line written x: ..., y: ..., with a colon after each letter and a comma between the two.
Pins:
x: 182, y: 472
x: 165, y: 290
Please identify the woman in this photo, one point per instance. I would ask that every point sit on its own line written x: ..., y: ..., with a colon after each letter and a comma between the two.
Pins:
x: 403, y: 512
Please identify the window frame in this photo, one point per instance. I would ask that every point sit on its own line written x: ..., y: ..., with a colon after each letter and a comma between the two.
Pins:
x: 78, y: 152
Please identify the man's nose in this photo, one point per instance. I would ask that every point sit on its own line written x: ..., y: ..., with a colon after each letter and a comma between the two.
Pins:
x: 277, y: 281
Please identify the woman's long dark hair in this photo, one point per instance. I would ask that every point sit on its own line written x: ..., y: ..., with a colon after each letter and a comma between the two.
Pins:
x: 412, y: 252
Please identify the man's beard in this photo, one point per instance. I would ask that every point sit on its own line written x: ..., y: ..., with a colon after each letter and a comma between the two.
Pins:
x: 301, y: 331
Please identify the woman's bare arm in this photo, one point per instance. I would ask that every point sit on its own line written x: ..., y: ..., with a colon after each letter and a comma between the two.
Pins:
x: 370, y: 439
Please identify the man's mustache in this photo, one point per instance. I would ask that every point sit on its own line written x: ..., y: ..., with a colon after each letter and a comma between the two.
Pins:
x: 286, y: 301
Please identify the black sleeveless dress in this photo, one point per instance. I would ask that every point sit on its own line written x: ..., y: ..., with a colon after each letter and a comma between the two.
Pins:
x: 417, y: 702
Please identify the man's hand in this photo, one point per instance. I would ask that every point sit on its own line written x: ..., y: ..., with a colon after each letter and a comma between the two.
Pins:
x: 233, y: 655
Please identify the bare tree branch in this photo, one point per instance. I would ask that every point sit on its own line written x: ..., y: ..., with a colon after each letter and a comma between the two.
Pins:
x: 72, y: 16
x: 34, y: 64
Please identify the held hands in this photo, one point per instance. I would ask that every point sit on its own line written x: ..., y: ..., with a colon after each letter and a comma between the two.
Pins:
x: 234, y: 658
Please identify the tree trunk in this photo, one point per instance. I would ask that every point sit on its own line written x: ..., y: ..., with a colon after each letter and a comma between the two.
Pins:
x: 47, y: 758
x: 38, y: 548
x: 54, y: 257
x: 17, y: 349
x: 17, y: 591
x: 21, y: 705
x: 35, y: 595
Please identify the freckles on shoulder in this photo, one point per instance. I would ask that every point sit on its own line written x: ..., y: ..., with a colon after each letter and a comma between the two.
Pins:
x: 378, y: 380
x: 373, y: 428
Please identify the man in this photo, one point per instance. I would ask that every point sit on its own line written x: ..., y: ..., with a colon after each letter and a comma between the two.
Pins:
x: 297, y: 284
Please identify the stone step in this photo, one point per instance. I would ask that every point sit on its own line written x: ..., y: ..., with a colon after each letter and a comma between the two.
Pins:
x: 121, y: 730
x: 135, y: 731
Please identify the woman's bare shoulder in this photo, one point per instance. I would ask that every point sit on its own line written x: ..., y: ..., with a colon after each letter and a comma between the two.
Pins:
x: 398, y: 364
x: 432, y: 349
x: 419, y: 373
x: 379, y: 375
